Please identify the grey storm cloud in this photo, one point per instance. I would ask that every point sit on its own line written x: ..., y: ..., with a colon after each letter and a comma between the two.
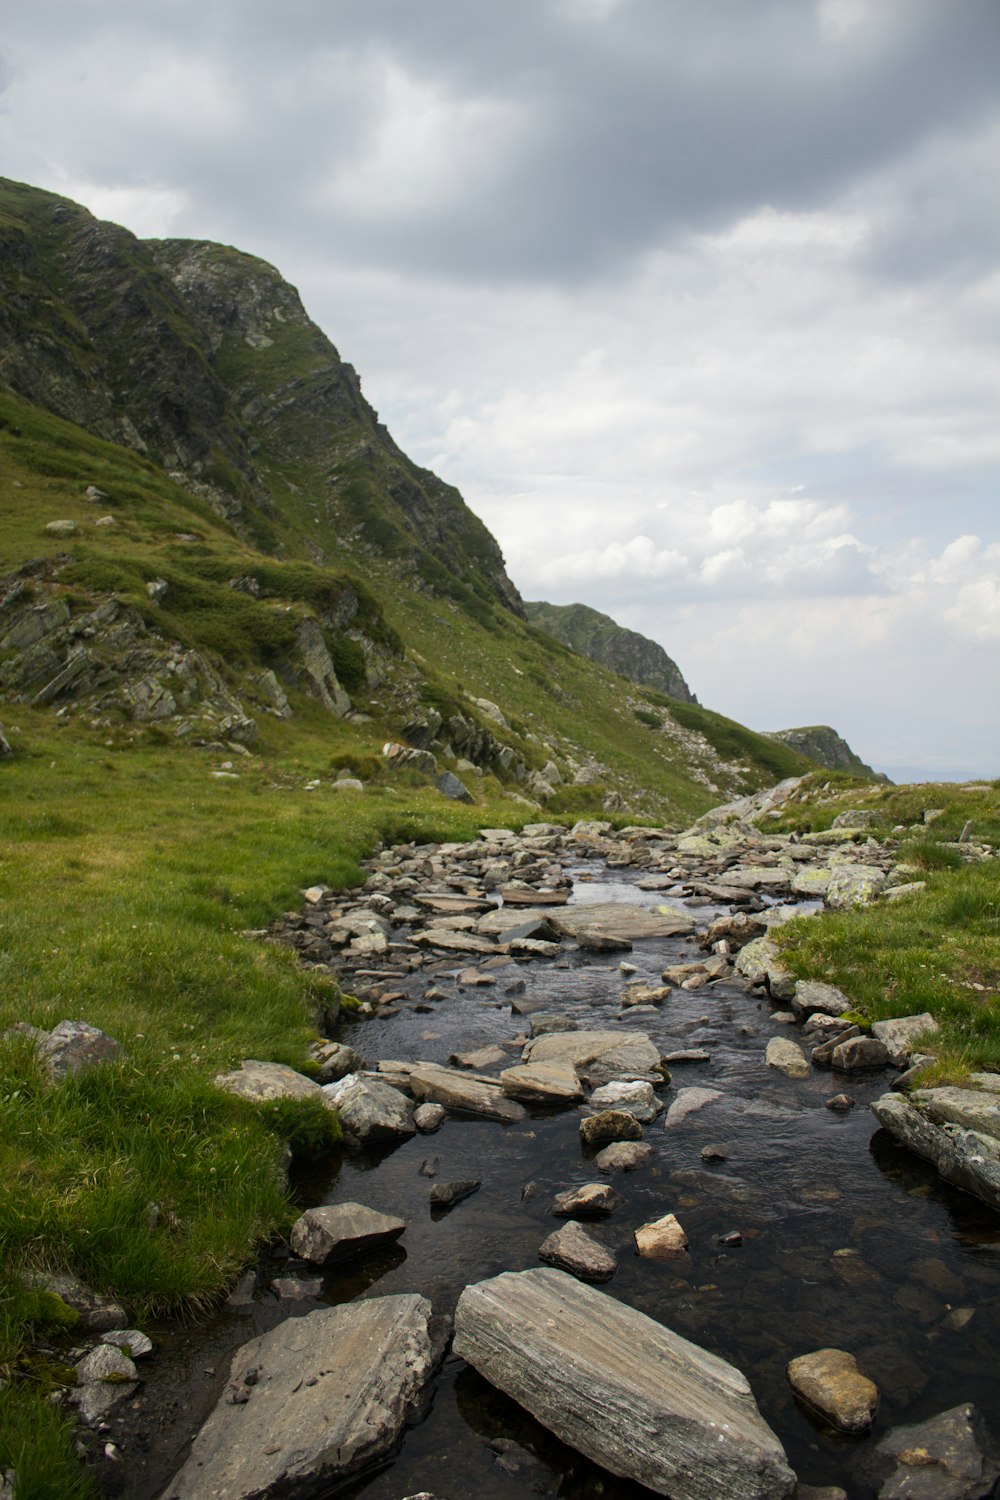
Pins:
x: 619, y: 126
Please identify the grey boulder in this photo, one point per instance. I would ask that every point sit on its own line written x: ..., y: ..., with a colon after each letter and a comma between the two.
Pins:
x: 956, y: 1129
x: 337, y: 1232
x: 370, y: 1110
x: 623, y: 1390
x: 949, y: 1457
x: 313, y: 1401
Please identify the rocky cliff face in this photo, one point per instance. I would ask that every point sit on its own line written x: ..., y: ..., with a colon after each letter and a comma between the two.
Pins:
x: 204, y: 359
x: 827, y: 748
x: 624, y: 651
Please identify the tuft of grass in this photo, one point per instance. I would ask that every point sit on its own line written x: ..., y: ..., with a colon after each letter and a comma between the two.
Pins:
x: 929, y: 854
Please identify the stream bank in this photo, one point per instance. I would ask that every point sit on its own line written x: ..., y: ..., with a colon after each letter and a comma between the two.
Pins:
x: 807, y: 1227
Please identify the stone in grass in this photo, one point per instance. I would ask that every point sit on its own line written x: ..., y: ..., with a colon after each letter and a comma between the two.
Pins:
x: 73, y: 1045
x: 623, y: 1156
x: 337, y: 1232
x: 263, y: 1082
x: 447, y: 1194
x: 610, y: 1125
x: 593, y: 1200
x: 96, y: 1312
x: 313, y: 1401
x: 572, y: 1249
x: 949, y: 1457
x: 660, y: 1239
x: 829, y: 1383
x: 631, y: 1395
x: 104, y: 1377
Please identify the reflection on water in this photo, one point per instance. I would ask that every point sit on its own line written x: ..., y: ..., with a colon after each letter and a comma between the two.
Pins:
x: 847, y: 1240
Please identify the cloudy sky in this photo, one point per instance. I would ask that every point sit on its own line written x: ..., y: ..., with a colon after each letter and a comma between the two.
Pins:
x: 696, y: 300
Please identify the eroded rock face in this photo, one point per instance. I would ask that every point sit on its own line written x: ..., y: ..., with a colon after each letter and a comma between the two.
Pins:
x: 623, y: 1390
x: 313, y: 1401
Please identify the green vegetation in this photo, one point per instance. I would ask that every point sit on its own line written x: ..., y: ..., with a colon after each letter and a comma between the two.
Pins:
x: 937, y: 950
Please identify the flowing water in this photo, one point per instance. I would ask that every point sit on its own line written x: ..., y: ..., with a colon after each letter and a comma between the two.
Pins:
x: 847, y: 1240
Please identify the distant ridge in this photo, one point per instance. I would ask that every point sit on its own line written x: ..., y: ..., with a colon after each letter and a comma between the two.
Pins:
x: 827, y: 748
x: 625, y: 651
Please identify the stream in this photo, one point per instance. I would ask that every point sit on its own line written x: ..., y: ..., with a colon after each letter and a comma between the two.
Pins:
x: 847, y: 1239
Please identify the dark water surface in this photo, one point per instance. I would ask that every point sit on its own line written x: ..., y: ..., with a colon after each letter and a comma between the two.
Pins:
x: 848, y: 1241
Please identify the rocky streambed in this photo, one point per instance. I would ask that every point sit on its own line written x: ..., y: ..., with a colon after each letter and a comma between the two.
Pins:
x: 635, y: 1172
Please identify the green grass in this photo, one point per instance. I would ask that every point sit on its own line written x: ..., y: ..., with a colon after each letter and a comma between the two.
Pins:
x: 936, y: 951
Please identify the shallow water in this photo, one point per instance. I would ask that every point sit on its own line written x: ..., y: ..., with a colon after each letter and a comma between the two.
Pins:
x: 848, y: 1241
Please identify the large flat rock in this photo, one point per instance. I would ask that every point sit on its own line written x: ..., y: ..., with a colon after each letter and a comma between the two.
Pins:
x: 612, y: 919
x: 601, y: 1056
x: 623, y: 1390
x: 464, y: 1093
x: 313, y: 1401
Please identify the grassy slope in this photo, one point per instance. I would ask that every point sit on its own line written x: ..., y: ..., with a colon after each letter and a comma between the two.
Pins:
x: 936, y: 951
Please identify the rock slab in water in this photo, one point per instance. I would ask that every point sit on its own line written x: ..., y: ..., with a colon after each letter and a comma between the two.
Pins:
x: 602, y: 1056
x: 590, y: 1201
x: 610, y: 1125
x: 830, y: 1383
x: 623, y: 1390
x: 689, y: 1102
x: 336, y: 1232
x: 542, y: 1083
x: 316, y: 1399
x: 949, y: 1457
x: 661, y: 1238
x: 572, y: 1249
x: 787, y: 1057
x: 464, y: 1092
x: 968, y: 1158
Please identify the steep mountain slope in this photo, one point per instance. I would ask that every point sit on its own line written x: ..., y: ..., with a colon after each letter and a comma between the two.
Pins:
x: 209, y: 537
x: 827, y: 748
x: 624, y: 651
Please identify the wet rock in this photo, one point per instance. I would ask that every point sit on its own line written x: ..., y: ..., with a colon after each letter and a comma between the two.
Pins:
x: 447, y: 1194
x: 335, y: 1060
x: 105, y: 1376
x: 812, y: 996
x: 840, y: 1103
x: 688, y: 1102
x: 787, y: 1057
x: 822, y: 1055
x: 482, y: 1057
x: 542, y: 1083
x: 602, y: 942
x: 687, y: 1055
x: 429, y: 1117
x: 263, y: 1082
x: 313, y: 1401
x: 337, y: 1232
x: 73, y: 1045
x: 858, y: 1054
x: 623, y: 1156
x: 760, y: 962
x: 619, y: 919
x: 660, y: 1239
x: 370, y: 1110
x: 968, y: 1158
x: 593, y: 1200
x: 548, y: 1023
x: 819, y: 1492
x: 636, y: 1099
x: 949, y: 1457
x: 572, y: 1249
x: 899, y: 1035
x: 609, y: 1125
x: 714, y: 1152
x: 296, y: 1288
x: 464, y: 1093
x: 677, y: 1419
x: 644, y: 994
x: 600, y: 1056
x: 830, y: 1383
